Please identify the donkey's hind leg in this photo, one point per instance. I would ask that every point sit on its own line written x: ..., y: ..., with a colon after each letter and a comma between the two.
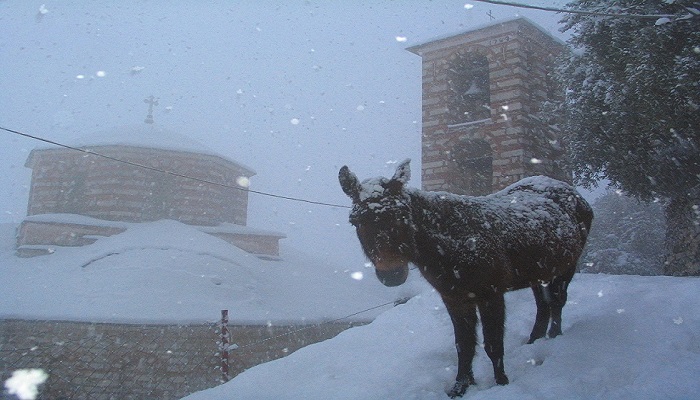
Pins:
x: 559, y: 288
x: 542, y: 300
x: 493, y: 314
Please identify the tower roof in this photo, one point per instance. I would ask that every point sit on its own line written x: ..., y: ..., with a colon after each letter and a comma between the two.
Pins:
x: 504, y: 25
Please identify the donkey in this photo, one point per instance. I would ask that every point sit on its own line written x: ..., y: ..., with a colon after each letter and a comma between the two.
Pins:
x: 474, y: 249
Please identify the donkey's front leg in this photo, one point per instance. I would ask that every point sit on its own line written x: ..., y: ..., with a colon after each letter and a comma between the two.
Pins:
x: 559, y: 289
x: 543, y: 299
x: 493, y: 317
x: 464, y: 321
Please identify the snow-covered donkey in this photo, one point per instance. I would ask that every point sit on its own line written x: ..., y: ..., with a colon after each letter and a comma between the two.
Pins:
x: 474, y: 249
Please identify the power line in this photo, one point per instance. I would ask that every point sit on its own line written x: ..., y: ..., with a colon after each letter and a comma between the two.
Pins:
x: 396, y: 302
x: 134, y: 164
x: 574, y: 11
x: 267, y: 339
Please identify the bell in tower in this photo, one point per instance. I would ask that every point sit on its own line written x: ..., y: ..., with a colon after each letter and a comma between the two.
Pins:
x: 482, y: 92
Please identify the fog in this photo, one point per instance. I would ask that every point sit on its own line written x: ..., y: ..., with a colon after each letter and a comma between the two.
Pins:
x: 292, y: 89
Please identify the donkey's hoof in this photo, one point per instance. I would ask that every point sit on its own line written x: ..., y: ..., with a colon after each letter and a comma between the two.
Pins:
x: 458, y: 389
x: 554, y: 332
x: 502, y: 379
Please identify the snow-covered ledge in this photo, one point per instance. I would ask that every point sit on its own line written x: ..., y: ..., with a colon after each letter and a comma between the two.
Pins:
x: 37, y: 234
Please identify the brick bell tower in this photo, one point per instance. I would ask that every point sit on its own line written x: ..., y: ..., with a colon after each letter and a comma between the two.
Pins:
x: 483, y: 91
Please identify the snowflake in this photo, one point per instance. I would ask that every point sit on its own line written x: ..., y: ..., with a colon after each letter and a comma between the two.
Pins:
x: 25, y: 382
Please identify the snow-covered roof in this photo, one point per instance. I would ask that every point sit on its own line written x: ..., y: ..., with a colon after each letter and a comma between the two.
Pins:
x: 76, y: 219
x: 417, y: 49
x: 229, y: 228
x: 143, y: 135
x: 166, y: 271
x: 147, y: 136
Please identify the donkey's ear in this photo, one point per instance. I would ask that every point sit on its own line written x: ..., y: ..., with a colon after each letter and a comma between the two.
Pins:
x: 403, y: 172
x: 349, y: 183
x: 400, y: 178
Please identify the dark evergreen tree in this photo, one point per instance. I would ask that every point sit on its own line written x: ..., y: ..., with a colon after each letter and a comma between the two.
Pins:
x: 626, y: 238
x: 632, y: 109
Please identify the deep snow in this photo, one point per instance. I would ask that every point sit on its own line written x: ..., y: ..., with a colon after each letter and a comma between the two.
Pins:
x: 166, y: 271
x: 625, y: 337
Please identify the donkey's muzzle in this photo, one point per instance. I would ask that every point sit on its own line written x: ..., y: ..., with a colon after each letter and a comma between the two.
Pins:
x: 393, y: 277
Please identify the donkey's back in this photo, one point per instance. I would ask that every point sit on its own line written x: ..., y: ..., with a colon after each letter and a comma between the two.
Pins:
x: 538, y: 220
x: 536, y: 188
x: 543, y: 226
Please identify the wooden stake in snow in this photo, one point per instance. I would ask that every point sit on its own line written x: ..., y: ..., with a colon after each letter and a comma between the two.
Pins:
x: 225, y: 336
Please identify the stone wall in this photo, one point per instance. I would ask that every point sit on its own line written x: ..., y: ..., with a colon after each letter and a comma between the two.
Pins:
x: 133, y: 361
x: 255, y: 244
x: 32, y: 233
x: 36, y: 236
x: 67, y: 181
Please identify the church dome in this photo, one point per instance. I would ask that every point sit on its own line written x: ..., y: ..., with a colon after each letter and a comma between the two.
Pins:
x: 150, y: 136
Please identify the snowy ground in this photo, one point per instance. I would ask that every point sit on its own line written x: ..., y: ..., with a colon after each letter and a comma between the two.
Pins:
x: 166, y: 271
x: 625, y: 337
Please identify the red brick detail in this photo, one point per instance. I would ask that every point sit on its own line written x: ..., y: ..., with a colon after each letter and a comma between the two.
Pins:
x: 520, y: 57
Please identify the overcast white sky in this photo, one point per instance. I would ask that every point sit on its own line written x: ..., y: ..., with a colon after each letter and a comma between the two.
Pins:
x: 293, y: 89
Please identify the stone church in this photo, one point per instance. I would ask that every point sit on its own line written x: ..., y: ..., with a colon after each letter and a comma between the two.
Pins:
x: 483, y: 95
x: 77, y: 197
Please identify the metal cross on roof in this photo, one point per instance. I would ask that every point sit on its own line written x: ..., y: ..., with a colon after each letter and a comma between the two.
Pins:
x: 151, y: 101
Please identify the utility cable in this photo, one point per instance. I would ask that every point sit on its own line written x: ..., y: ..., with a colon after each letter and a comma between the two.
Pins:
x: 134, y: 164
x: 237, y: 347
x: 575, y: 11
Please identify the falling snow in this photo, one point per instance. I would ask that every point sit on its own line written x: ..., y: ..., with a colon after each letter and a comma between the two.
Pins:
x: 358, y: 275
x: 375, y: 361
x: 243, y: 181
x: 24, y: 383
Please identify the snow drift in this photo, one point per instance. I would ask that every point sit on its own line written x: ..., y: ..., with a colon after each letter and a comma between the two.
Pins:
x: 625, y: 337
x: 169, y: 272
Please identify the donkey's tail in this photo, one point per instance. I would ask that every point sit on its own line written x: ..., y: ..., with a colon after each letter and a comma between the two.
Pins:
x: 584, y: 215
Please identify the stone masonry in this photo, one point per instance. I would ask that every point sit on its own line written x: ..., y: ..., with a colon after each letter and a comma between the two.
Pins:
x: 67, y: 183
x: 100, y: 361
x: 520, y: 57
